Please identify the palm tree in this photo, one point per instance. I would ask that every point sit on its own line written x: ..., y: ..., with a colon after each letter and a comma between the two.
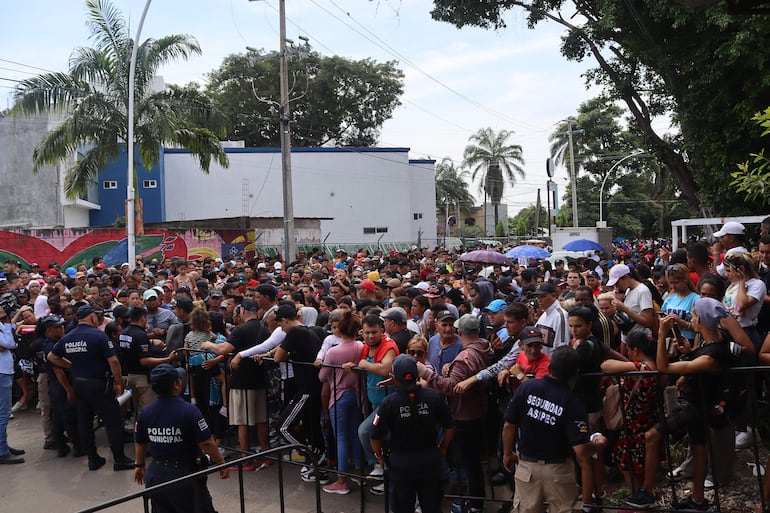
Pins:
x: 94, y: 99
x: 497, y: 161
x: 451, y: 186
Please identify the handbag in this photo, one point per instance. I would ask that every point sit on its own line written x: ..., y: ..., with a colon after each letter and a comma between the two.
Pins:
x: 613, y: 414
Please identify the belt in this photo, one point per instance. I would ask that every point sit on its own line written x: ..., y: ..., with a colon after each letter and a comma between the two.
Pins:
x: 172, y: 464
x: 542, y: 462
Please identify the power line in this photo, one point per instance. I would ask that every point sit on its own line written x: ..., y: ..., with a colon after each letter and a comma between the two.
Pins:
x: 27, y: 65
x: 392, y: 51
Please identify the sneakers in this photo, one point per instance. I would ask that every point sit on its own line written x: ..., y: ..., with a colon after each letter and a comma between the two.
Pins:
x: 360, y: 481
x: 337, y: 487
x: 376, y: 473
x: 310, y: 476
x: 744, y: 439
x: 499, y: 478
x: 378, y: 489
x: 18, y: 407
x: 263, y: 462
x: 457, y: 506
x: 62, y: 451
x: 689, y: 504
x: 641, y: 499
x: 708, y: 483
x: 678, y: 474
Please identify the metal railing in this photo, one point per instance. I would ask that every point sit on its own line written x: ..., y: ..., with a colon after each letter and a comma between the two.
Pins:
x: 750, y: 405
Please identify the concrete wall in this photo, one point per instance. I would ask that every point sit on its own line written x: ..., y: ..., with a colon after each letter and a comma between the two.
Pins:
x: 27, y: 200
x: 357, y: 188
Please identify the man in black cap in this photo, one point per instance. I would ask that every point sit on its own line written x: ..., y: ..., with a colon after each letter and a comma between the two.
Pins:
x: 97, y: 382
x: 181, y: 443
x: 411, y: 420
x: 553, y: 321
x: 177, y: 332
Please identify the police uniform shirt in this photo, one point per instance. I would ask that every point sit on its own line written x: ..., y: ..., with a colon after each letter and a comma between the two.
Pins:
x: 48, y: 345
x: 88, y: 349
x: 173, y: 429
x: 303, y: 345
x: 135, y: 345
x: 549, y: 418
x: 408, y: 434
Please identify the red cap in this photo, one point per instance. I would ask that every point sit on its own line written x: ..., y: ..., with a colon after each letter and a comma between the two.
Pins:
x: 52, y: 272
x: 367, y: 285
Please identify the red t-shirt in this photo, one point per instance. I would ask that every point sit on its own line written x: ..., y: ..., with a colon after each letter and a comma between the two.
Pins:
x: 538, y: 368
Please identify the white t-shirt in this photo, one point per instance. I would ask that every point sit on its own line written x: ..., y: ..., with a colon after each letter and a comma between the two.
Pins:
x: 754, y: 288
x: 553, y: 325
x: 638, y: 300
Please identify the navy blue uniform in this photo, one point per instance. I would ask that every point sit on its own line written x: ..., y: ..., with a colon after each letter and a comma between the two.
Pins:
x: 550, y: 419
x: 135, y: 345
x: 414, y: 456
x: 89, y: 349
x: 63, y: 414
x: 173, y: 429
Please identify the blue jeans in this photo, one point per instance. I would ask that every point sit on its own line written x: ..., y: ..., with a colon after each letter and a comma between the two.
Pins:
x: 345, y: 416
x: 6, y: 389
x: 365, y: 436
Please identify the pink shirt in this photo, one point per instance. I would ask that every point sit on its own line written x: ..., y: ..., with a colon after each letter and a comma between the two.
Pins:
x: 346, y: 351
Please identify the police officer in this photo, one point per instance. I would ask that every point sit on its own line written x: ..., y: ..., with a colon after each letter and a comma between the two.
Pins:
x: 550, y: 423
x: 63, y: 412
x: 412, y: 418
x: 96, y: 381
x: 177, y: 435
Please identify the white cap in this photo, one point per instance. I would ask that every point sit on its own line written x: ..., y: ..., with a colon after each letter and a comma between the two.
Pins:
x: 731, y: 228
x: 278, y: 266
x: 617, y: 272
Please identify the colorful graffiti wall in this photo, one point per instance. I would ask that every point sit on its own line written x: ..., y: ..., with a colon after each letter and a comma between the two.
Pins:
x: 72, y: 247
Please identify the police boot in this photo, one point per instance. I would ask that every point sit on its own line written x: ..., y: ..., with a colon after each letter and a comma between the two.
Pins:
x: 122, y: 462
x: 95, y: 462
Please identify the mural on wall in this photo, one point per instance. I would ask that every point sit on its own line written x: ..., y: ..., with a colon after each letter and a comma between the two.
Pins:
x: 69, y: 248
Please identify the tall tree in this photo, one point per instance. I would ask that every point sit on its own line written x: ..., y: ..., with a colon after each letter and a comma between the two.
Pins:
x: 701, y: 66
x: 451, y: 186
x: 496, y: 161
x: 94, y: 98
x: 333, y: 100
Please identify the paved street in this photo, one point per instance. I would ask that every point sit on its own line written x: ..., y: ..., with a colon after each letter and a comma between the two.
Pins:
x: 45, y: 483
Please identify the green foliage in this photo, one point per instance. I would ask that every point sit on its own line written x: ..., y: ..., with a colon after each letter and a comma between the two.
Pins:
x: 334, y: 100
x: 472, y: 231
x: 699, y: 66
x: 500, y: 229
x: 753, y: 177
x: 523, y: 223
x: 452, y: 187
x: 94, y: 98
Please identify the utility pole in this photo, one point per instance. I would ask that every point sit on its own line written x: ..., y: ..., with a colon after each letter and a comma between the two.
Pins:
x: 289, y: 244
x: 575, y: 223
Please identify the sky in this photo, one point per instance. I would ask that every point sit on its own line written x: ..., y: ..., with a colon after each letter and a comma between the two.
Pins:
x: 456, y: 80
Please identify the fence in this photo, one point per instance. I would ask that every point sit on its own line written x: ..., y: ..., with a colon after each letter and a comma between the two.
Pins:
x: 743, y: 386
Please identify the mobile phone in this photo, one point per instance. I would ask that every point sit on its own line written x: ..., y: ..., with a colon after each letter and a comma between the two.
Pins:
x: 661, y: 313
x: 676, y: 334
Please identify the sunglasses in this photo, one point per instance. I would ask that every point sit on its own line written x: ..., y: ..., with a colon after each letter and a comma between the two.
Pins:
x: 416, y: 352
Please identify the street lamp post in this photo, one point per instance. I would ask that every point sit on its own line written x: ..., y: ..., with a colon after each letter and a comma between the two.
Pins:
x: 130, y: 189
x: 601, y: 223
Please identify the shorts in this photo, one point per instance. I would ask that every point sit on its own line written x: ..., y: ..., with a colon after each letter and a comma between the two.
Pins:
x: 247, y: 407
x: 685, y: 419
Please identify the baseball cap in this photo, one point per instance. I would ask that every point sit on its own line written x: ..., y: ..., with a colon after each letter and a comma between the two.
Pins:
x: 617, y: 272
x: 185, y: 304
x: 120, y: 312
x: 498, y: 305
x: 423, y: 286
x: 215, y: 293
x: 545, y: 288
x: 278, y: 266
x: 405, y: 368
x: 166, y: 372
x: 367, y: 285
x: 731, y: 228
x: 467, y: 323
x: 530, y: 335
x: 445, y: 314
x: 150, y: 293
x: 435, y: 292
x: 84, y: 311
x: 285, y: 312
x: 396, y: 313
x: 51, y: 321
x: 250, y: 305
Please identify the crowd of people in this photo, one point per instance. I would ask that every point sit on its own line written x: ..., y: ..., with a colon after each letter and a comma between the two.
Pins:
x: 338, y: 353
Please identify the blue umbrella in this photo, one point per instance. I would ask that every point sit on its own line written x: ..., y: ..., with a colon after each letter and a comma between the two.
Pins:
x: 619, y: 239
x: 527, y: 251
x: 583, y: 245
